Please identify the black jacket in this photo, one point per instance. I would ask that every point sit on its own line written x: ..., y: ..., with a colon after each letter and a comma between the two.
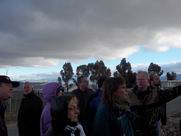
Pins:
x: 29, y: 115
x: 83, y: 98
x: 3, y: 128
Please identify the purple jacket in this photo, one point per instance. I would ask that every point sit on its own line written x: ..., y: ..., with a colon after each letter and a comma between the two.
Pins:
x: 49, y: 92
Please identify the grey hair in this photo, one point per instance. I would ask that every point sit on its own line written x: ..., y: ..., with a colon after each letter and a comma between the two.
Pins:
x: 144, y: 73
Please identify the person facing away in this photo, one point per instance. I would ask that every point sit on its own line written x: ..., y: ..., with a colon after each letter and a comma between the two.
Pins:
x: 113, y: 117
x: 29, y: 113
x: 6, y: 87
x: 65, y: 112
x: 83, y: 93
x: 49, y: 91
x: 93, y: 104
x: 146, y: 102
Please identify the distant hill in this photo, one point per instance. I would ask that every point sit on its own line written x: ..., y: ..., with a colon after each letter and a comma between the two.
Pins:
x: 178, y: 77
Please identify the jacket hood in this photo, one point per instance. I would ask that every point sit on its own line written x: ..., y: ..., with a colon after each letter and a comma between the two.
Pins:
x: 49, y: 91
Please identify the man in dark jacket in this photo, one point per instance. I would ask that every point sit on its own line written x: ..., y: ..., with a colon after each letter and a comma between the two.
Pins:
x: 83, y: 93
x: 29, y: 113
x: 6, y: 87
x: 146, y: 102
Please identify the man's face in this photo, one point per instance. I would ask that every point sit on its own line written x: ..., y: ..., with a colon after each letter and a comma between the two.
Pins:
x: 142, y: 81
x: 83, y: 84
x: 5, y: 91
x: 27, y: 88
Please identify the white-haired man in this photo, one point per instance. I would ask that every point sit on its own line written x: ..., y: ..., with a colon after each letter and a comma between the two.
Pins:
x: 146, y: 102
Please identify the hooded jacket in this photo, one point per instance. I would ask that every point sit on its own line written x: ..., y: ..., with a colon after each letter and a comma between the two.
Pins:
x: 49, y: 92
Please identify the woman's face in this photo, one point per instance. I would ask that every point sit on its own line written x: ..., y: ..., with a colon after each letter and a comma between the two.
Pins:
x: 121, y: 91
x: 73, y: 110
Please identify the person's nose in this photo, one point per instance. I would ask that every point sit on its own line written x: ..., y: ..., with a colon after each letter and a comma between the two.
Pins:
x: 77, y: 111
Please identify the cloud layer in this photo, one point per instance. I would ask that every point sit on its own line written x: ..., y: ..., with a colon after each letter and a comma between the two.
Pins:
x: 40, y: 32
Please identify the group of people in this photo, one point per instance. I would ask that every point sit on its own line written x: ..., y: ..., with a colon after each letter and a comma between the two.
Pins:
x: 111, y: 110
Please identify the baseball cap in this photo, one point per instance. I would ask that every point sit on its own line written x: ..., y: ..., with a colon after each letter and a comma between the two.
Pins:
x: 6, y: 79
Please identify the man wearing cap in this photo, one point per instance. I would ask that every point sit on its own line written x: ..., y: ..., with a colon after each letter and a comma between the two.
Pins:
x: 29, y: 113
x: 6, y: 87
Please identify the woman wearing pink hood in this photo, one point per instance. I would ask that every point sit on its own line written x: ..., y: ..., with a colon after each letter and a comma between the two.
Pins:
x: 49, y: 91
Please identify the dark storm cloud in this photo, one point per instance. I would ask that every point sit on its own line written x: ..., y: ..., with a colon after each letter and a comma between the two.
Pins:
x: 33, y: 31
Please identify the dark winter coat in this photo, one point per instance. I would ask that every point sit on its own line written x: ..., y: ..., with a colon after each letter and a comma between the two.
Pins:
x: 29, y: 115
x: 83, y: 98
x: 147, y: 107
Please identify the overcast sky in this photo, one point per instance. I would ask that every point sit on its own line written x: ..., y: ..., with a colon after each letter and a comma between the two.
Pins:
x: 38, y: 36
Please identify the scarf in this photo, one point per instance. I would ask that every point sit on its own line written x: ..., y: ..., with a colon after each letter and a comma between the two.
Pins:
x: 121, y: 102
x: 73, y: 129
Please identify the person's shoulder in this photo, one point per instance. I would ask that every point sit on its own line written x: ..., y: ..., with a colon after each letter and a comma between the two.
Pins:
x: 94, y: 95
x: 49, y: 132
x: 46, y: 108
x: 102, y: 113
x: 75, y: 91
x: 131, y: 92
x: 90, y: 91
x: 37, y: 99
x: 102, y: 107
x: 154, y: 91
